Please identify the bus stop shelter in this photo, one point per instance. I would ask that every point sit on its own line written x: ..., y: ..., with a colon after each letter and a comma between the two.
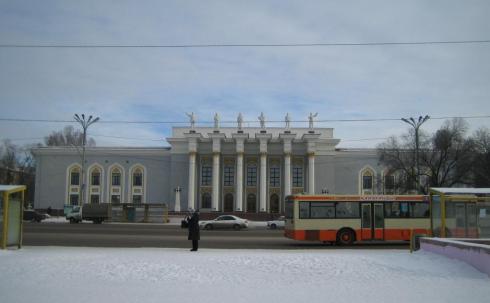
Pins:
x: 11, y: 212
x: 460, y: 212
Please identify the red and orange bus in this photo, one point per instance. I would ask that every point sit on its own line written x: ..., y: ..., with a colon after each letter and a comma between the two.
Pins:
x: 345, y: 219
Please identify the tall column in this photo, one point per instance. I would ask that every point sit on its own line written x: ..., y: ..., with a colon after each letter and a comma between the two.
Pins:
x: 311, y: 138
x: 192, y: 138
x: 192, y: 180
x: 215, y: 200
x: 287, y: 174
x: 263, y: 137
x: 239, y: 182
x: 216, y: 136
x: 311, y: 173
x: 287, y: 139
x: 263, y: 182
x: 240, y: 138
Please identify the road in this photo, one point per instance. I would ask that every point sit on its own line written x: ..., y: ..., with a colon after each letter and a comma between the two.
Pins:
x: 160, y: 235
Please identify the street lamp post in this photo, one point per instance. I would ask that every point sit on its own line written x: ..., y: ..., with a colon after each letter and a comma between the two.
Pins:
x: 85, y: 123
x: 416, y: 125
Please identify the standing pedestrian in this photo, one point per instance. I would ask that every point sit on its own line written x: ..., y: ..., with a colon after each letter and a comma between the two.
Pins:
x: 194, y: 230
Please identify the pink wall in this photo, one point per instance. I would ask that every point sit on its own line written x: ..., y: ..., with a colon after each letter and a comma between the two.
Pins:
x: 478, y: 255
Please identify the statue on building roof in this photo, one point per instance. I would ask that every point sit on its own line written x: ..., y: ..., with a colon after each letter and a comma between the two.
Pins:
x: 192, y: 119
x: 287, y: 120
x: 262, y: 120
x: 239, y: 121
x: 310, y: 118
x: 216, y: 121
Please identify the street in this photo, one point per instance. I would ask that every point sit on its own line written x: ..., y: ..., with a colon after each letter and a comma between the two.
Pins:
x: 172, y: 236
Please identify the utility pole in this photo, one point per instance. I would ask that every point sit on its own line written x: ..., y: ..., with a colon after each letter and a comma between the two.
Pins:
x: 416, y: 125
x: 85, y: 123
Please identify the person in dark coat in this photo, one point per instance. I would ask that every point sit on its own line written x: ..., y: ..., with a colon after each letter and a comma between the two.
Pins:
x: 194, y: 230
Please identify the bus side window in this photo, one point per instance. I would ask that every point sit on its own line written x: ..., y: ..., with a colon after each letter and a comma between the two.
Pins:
x: 394, y: 209
x: 419, y: 210
x: 304, y: 210
x: 404, y: 210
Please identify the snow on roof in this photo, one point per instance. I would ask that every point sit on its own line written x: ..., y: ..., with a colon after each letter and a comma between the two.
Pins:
x: 450, y: 190
x: 9, y: 188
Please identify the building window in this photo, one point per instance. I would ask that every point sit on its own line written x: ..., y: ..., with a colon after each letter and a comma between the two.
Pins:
x: 74, y: 199
x: 75, y: 178
x: 206, y: 175
x: 116, y: 199
x: 138, y: 178
x: 274, y: 176
x: 389, y: 184
x: 95, y: 178
x: 229, y: 175
x: 94, y: 199
x: 137, y: 199
x: 206, y: 200
x: 297, y: 176
x: 252, y: 175
x: 274, y: 203
x: 367, y: 182
x: 116, y: 178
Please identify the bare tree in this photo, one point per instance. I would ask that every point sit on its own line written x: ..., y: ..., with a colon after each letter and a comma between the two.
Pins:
x: 450, y: 155
x: 8, y: 162
x: 481, y: 160
x: 398, y: 156
x: 445, y: 158
x: 67, y: 137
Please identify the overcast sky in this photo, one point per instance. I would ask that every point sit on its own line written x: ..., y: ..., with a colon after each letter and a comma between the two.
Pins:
x: 338, y: 82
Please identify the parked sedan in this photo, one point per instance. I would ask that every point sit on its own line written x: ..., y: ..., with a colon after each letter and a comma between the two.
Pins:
x: 278, y: 223
x: 224, y: 222
x: 33, y: 216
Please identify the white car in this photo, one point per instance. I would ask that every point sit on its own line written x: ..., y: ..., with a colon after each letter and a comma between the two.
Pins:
x: 278, y: 223
x: 223, y: 222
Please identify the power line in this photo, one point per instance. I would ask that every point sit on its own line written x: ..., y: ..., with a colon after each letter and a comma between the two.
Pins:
x: 231, y: 122
x: 14, y: 45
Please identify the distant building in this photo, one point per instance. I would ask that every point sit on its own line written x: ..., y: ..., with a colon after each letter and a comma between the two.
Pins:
x: 216, y: 169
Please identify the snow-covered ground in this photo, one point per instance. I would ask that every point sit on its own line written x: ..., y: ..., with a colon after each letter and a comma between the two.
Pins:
x: 59, y: 274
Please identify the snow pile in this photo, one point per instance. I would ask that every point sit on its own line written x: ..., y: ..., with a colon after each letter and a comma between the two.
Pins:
x: 48, y: 274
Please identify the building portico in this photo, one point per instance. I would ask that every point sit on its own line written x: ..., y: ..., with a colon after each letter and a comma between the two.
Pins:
x: 249, y: 169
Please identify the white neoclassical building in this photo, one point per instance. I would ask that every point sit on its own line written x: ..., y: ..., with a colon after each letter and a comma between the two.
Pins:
x: 227, y: 169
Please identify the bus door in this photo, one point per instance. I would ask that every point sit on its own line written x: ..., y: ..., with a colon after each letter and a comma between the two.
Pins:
x: 372, y: 221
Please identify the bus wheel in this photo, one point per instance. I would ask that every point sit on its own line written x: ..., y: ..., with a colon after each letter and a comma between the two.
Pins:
x: 345, y: 237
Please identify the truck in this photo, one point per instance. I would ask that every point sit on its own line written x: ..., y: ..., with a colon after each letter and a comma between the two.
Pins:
x: 96, y: 213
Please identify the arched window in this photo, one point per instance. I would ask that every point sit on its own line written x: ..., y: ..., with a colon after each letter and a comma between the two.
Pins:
x: 73, y: 184
x: 115, y: 182
x: 251, y: 203
x: 367, y: 180
x: 228, y: 207
x: 138, y: 184
x: 138, y: 177
x: 95, y: 177
x: 389, y: 184
x: 206, y: 200
x: 95, y: 184
x: 274, y: 203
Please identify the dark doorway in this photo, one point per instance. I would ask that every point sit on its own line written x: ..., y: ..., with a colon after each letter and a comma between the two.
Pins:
x: 228, y: 207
